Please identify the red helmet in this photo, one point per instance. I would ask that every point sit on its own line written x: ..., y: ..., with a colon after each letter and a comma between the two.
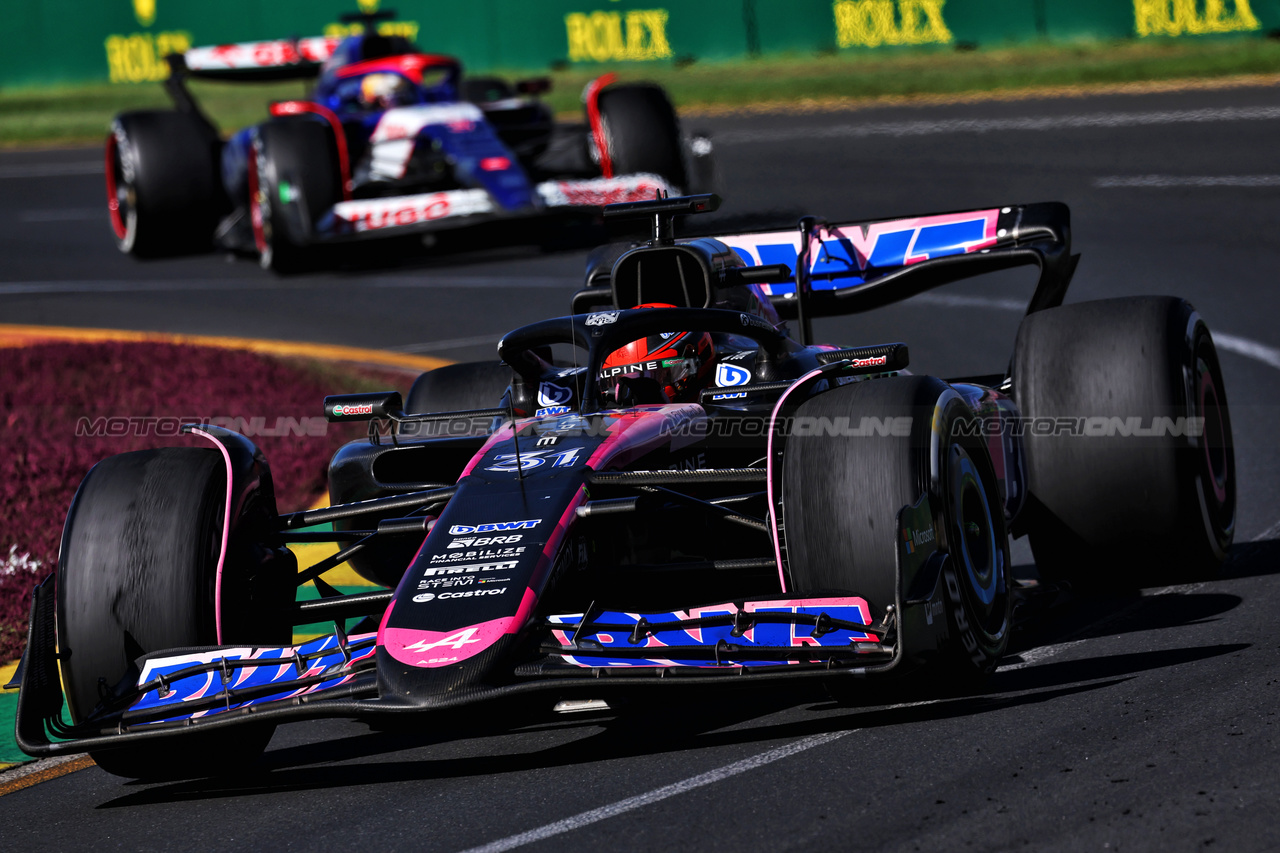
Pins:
x: 679, y: 362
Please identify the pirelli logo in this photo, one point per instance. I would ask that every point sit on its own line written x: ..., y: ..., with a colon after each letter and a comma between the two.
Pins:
x: 470, y: 568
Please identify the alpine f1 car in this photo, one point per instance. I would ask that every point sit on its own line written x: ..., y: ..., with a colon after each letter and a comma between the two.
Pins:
x: 665, y: 488
x: 391, y: 141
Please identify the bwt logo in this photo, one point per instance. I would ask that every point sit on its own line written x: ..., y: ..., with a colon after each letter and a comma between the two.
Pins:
x: 360, y: 409
x: 493, y: 527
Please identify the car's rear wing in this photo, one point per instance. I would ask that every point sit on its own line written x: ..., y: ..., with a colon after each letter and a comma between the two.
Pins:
x: 281, y: 59
x: 846, y: 268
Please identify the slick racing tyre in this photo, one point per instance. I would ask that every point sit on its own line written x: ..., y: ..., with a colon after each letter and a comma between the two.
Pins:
x: 1130, y: 465
x: 293, y: 181
x: 842, y: 495
x: 642, y: 132
x: 136, y: 574
x: 454, y: 388
x: 164, y: 195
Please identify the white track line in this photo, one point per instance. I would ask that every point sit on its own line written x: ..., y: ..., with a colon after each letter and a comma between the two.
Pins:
x: 452, y: 343
x: 64, y: 214
x: 52, y: 170
x: 1165, y: 181
x: 1080, y: 121
x: 28, y: 288
x: 657, y: 794
x: 1269, y: 356
x: 1247, y: 348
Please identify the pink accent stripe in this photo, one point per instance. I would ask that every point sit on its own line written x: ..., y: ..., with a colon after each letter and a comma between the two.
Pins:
x: 527, y: 603
x: 545, y: 562
x: 386, y: 614
x: 768, y: 476
x: 226, y: 534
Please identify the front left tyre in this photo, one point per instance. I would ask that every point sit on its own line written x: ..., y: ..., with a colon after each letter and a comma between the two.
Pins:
x: 843, y: 491
x: 138, y: 573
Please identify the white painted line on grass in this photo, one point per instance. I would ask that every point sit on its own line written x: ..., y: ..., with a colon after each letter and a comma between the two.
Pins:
x: 656, y: 795
x: 1080, y: 121
x: 1168, y: 181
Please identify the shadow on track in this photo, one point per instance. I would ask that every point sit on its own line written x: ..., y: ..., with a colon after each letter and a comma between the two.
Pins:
x: 675, y: 727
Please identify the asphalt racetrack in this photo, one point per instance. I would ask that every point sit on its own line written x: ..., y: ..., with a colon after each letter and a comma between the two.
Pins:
x: 1126, y: 723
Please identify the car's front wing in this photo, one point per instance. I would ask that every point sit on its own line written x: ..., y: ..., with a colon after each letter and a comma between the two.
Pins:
x: 584, y: 655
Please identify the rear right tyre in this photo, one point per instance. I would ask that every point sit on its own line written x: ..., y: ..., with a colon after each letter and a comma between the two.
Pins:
x: 164, y: 195
x: 1140, y: 490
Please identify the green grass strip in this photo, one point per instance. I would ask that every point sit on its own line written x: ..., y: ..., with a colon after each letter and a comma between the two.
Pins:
x: 75, y: 115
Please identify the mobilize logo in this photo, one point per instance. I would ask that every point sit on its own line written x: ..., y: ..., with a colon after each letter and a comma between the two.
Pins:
x: 357, y: 409
x: 493, y: 527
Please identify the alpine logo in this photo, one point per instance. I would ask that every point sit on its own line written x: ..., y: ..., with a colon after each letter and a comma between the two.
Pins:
x: 493, y: 527
x: 730, y: 375
x: 455, y: 641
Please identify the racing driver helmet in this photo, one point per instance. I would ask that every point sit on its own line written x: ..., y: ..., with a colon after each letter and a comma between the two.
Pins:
x: 383, y: 90
x: 679, y: 363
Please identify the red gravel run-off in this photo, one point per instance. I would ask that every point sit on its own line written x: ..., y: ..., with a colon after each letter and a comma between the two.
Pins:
x: 45, y: 389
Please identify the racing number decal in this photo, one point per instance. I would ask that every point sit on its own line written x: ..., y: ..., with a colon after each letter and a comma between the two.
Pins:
x: 506, y: 463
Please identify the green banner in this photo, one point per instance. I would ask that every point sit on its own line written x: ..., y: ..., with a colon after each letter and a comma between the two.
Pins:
x: 124, y: 41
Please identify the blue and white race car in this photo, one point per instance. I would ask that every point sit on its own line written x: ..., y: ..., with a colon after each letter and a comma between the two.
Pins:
x: 390, y: 141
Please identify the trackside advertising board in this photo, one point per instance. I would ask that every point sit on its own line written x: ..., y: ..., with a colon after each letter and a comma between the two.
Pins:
x: 124, y: 41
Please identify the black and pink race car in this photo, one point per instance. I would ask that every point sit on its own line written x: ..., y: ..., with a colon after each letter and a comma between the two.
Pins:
x: 663, y: 489
x: 391, y: 141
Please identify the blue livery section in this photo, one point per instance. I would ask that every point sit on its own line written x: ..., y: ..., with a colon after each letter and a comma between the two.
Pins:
x: 238, y: 677
x: 718, y: 635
